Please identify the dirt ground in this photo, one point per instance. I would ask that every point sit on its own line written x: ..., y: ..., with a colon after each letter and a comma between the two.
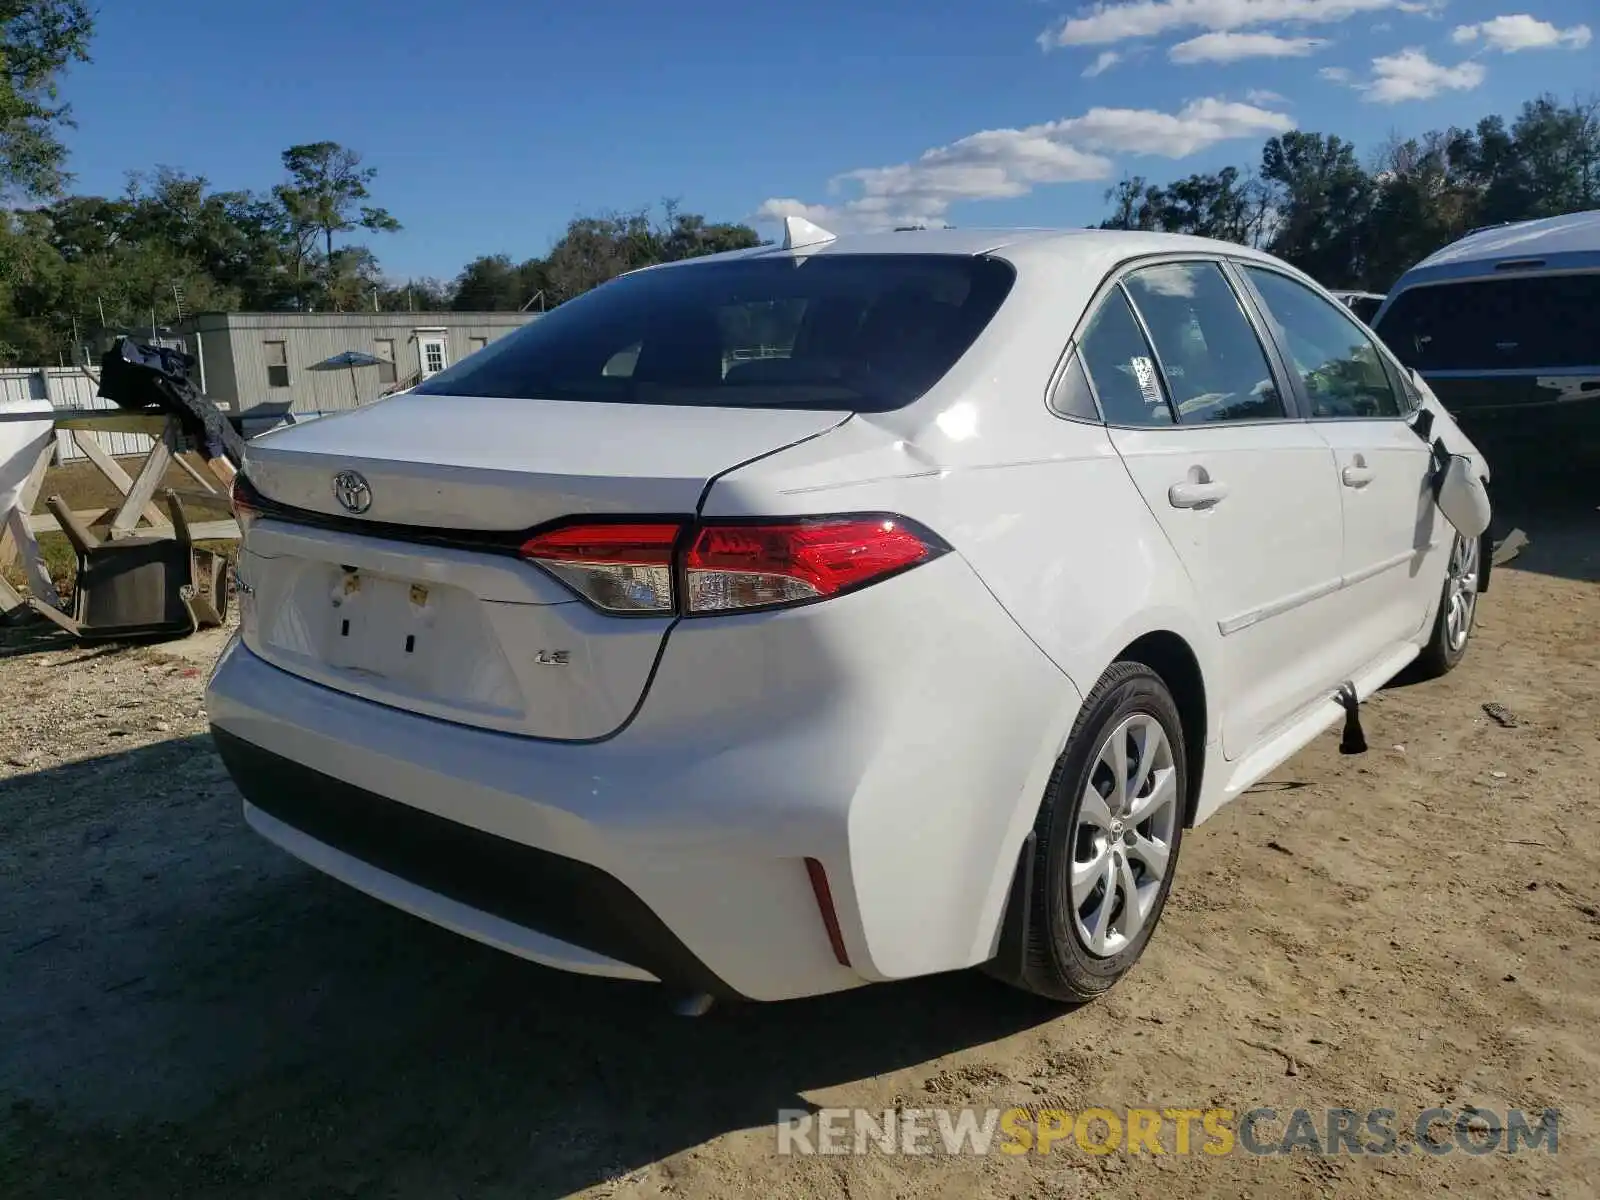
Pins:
x: 185, y: 1011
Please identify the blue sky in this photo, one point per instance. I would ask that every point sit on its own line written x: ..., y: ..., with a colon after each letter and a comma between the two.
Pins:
x: 492, y: 122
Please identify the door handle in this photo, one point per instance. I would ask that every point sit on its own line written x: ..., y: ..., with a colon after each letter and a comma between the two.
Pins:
x: 1196, y: 495
x: 1356, y: 476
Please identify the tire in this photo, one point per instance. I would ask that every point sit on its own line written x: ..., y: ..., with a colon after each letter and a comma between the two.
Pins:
x: 1064, y: 958
x: 1458, y: 608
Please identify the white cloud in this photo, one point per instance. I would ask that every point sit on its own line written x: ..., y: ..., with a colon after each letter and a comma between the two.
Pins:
x: 1262, y: 96
x: 778, y: 208
x: 1103, y: 62
x: 998, y: 164
x: 1198, y: 125
x: 1335, y: 74
x: 1231, y: 47
x: 1104, y: 23
x: 1412, y: 75
x: 1522, y: 32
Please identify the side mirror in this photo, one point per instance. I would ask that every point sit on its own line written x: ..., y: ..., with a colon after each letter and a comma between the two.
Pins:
x: 1462, y: 497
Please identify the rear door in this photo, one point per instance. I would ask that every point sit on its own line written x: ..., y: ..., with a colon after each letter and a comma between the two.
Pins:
x: 1357, y: 403
x: 1245, y: 491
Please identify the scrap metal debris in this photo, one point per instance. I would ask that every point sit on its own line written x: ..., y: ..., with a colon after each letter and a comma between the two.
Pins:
x: 1501, y: 715
x: 1508, y: 547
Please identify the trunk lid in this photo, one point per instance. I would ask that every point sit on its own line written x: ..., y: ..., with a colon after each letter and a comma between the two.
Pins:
x: 472, y: 463
x: 414, y: 601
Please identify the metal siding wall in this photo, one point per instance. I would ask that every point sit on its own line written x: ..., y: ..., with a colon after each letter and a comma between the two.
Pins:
x: 313, y: 337
x: 68, y: 387
x: 250, y: 367
x: 236, y: 364
x: 461, y: 337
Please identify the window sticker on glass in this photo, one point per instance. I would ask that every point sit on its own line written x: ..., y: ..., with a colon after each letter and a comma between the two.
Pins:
x: 1145, y: 372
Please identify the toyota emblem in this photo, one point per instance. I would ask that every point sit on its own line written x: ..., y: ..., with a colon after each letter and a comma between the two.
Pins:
x: 352, y: 491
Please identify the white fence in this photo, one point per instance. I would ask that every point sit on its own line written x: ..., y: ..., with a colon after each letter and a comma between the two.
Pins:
x: 68, y: 387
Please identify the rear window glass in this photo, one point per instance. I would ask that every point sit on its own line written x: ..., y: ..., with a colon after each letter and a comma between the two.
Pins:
x: 856, y: 332
x: 1531, y: 323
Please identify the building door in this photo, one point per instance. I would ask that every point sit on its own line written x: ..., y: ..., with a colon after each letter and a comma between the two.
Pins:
x: 431, y: 354
x: 383, y: 351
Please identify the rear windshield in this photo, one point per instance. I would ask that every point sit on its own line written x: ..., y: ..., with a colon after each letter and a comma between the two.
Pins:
x: 856, y: 332
x: 1534, y: 323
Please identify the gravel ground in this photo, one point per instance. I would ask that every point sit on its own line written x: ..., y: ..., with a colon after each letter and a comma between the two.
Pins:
x: 185, y: 1011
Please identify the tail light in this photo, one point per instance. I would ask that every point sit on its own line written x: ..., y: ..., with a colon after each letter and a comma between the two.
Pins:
x: 243, y: 501
x: 620, y: 568
x: 666, y: 567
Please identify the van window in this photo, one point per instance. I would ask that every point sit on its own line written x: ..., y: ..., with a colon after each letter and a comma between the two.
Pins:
x: 1531, y: 323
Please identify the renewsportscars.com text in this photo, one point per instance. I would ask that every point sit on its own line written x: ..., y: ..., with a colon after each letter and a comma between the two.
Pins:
x: 1182, y: 1131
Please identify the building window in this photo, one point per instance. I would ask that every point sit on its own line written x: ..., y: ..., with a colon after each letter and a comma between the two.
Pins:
x: 277, y: 363
x: 476, y: 343
x: 433, y: 357
x: 383, y: 349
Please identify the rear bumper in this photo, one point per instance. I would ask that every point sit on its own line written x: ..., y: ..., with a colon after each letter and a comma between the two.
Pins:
x: 906, y: 756
x: 484, y: 886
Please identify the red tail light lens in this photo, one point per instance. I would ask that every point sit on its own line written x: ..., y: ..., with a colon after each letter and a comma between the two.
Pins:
x: 242, y: 501
x: 619, y: 568
x: 732, y: 567
x: 755, y: 566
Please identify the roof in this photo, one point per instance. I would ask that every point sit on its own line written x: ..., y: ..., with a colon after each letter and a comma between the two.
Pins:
x: 1571, y: 241
x: 1097, y: 243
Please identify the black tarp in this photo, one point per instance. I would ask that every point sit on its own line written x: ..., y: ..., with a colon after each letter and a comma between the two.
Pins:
x: 139, y: 378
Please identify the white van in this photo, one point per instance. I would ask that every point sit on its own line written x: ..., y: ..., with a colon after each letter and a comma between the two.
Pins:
x: 1506, y: 321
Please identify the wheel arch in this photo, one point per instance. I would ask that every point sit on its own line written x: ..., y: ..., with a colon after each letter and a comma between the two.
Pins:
x: 1171, y: 657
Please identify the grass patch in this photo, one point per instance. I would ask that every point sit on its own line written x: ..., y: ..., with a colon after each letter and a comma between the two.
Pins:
x: 82, y: 486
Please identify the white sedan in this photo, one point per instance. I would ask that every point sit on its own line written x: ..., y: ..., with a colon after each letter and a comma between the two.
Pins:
x: 841, y: 610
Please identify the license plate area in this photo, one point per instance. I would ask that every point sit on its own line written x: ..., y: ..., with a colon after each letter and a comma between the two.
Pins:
x: 392, y: 629
x: 557, y: 670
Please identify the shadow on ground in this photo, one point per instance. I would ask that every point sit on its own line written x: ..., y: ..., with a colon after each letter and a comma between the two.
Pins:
x: 26, y: 633
x: 187, y: 1011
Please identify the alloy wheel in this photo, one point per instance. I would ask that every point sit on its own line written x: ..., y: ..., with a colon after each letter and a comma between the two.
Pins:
x: 1461, y: 591
x: 1122, y: 845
